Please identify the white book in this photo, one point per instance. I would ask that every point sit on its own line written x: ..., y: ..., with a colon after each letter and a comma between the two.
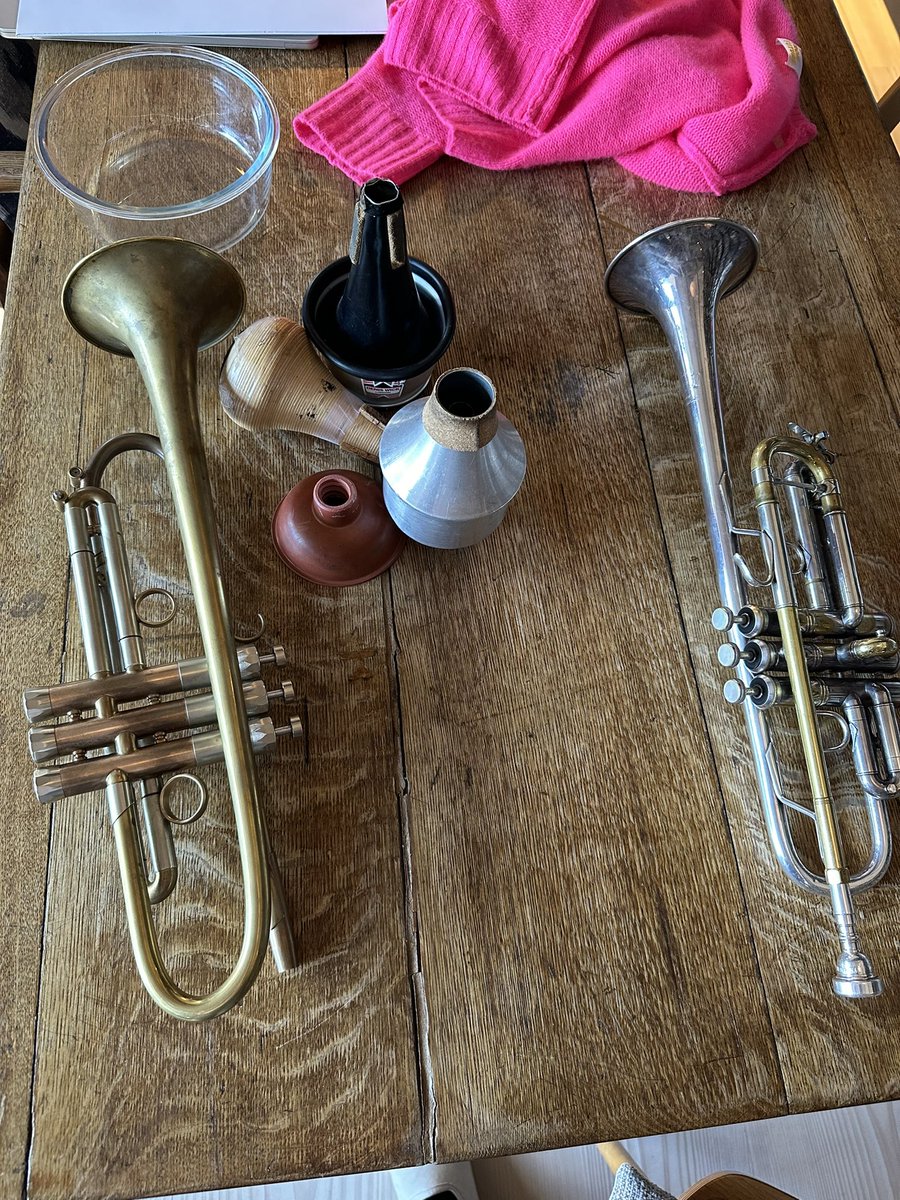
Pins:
x: 260, y: 22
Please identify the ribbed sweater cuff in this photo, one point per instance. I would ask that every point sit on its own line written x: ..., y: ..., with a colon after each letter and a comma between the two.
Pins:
x: 359, y: 132
x: 462, y: 51
x: 726, y: 171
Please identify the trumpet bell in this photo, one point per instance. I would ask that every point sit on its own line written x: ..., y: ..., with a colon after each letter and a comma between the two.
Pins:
x: 725, y: 252
x: 162, y: 283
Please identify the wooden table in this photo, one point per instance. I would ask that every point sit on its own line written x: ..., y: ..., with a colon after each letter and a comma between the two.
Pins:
x: 521, y: 840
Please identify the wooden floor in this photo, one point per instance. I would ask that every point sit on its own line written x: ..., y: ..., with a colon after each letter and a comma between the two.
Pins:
x: 848, y: 1154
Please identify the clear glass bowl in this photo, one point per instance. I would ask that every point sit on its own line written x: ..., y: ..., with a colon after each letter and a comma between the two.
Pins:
x: 160, y: 139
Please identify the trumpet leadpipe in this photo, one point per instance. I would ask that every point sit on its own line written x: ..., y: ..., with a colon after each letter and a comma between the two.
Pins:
x: 190, y: 674
x: 48, y: 742
x: 161, y: 758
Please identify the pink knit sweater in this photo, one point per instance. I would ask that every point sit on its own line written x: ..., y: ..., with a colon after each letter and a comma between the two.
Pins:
x: 697, y: 95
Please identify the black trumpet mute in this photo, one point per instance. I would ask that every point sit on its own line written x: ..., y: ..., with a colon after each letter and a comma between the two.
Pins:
x: 378, y: 318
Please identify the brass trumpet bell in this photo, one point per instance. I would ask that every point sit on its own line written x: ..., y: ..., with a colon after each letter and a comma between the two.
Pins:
x: 177, y: 288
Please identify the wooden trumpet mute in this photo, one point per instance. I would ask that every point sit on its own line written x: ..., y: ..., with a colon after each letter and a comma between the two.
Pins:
x: 272, y: 378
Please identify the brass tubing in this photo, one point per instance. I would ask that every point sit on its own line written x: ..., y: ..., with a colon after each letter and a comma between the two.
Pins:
x: 815, y: 575
x: 861, y: 747
x: 162, y: 865
x: 161, y: 758
x: 189, y: 674
x: 864, y: 654
x: 753, y: 621
x: 854, y: 976
x: 162, y: 300
x: 170, y: 371
x: 775, y: 544
x: 56, y: 741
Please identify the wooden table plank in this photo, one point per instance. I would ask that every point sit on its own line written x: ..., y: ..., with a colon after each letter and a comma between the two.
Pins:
x: 315, y: 1073
x: 811, y: 338
x: 569, y: 847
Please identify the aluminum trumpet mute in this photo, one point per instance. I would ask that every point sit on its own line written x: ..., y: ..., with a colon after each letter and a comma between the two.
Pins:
x: 273, y: 379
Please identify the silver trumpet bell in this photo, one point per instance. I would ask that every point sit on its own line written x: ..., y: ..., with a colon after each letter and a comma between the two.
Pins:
x: 812, y: 644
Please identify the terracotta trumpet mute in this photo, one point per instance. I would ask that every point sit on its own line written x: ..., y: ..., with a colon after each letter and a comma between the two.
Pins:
x: 333, y: 529
x: 273, y: 379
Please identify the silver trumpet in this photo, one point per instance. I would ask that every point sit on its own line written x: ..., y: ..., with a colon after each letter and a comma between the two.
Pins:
x: 813, y: 645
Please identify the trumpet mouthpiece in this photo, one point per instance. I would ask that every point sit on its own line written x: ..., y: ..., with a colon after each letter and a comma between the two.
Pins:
x: 855, y: 978
x: 273, y: 379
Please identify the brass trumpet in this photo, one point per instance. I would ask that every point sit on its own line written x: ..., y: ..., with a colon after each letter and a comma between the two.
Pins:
x: 813, y: 646
x: 161, y: 300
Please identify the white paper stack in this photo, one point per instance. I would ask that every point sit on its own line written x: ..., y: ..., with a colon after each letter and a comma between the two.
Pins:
x: 279, y: 23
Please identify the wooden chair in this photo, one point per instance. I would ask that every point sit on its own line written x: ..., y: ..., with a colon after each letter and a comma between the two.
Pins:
x: 723, y: 1185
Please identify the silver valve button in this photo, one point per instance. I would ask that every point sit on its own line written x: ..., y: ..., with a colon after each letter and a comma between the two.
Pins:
x: 293, y: 729
x: 729, y: 655
x: 734, y: 691
x: 722, y: 619
x: 285, y: 692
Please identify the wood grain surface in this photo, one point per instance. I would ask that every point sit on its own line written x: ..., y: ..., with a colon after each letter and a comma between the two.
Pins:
x: 521, y: 840
x: 567, y: 852
x: 11, y: 164
x: 315, y: 1072
x: 844, y: 1154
